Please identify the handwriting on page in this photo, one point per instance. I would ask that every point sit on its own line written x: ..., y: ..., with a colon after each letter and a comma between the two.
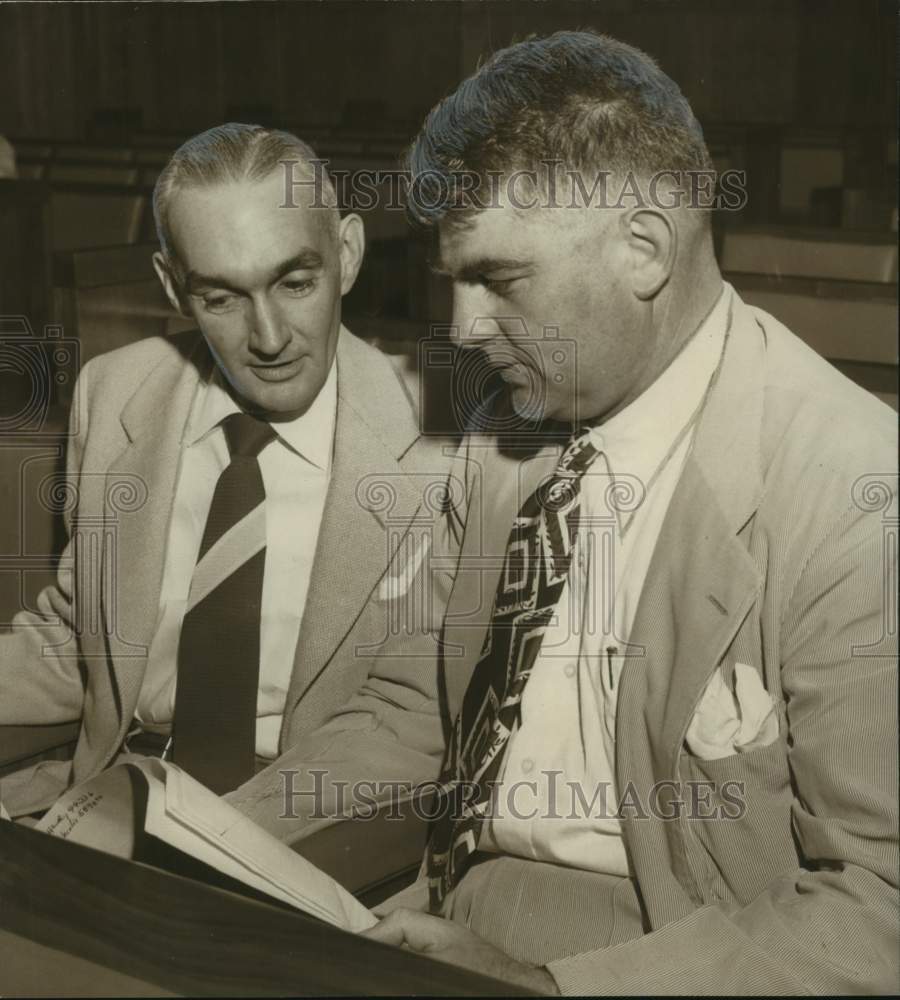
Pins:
x: 65, y: 821
x: 98, y: 813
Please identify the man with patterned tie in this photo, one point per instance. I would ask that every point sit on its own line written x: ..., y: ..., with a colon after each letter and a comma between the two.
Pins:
x: 251, y: 449
x: 669, y: 650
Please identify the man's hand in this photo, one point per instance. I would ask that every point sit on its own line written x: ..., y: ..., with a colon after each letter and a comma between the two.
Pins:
x: 456, y: 945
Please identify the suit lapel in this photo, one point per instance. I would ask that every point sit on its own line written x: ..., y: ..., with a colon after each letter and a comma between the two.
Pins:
x: 140, y: 488
x: 371, y: 504
x: 700, y: 585
x: 701, y: 582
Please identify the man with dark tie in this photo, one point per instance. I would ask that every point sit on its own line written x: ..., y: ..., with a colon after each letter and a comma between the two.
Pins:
x: 670, y: 650
x: 244, y: 595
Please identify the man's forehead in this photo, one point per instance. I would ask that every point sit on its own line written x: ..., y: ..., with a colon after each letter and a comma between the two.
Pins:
x: 505, y: 232
x: 242, y: 219
x: 246, y: 200
x: 489, y: 227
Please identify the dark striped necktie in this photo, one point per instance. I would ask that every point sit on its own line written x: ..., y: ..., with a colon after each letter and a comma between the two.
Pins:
x: 214, y: 724
x: 535, y: 570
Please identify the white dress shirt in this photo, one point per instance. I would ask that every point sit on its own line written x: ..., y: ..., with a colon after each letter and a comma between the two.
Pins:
x: 296, y: 468
x: 568, y: 710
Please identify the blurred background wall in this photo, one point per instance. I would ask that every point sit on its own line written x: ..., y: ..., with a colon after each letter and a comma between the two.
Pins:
x: 182, y: 67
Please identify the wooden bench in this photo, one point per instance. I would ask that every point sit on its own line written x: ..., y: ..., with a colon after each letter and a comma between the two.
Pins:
x: 96, y: 215
x: 834, y: 288
x: 25, y: 239
x: 811, y: 252
x: 852, y: 324
x: 110, y: 296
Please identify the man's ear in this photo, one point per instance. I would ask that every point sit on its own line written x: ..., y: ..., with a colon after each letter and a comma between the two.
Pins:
x: 169, y: 283
x: 653, y: 238
x: 352, y: 247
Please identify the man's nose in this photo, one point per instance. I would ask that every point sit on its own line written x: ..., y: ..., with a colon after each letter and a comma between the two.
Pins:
x: 269, y: 334
x: 473, y: 323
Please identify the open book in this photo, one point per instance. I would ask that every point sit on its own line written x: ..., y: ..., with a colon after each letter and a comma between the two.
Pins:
x: 153, y: 809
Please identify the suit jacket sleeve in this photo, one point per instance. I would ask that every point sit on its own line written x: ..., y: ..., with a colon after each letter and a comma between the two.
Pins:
x: 41, y: 681
x: 831, y: 925
x: 385, y: 743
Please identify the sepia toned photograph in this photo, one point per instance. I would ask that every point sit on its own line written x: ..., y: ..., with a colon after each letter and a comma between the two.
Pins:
x: 449, y: 498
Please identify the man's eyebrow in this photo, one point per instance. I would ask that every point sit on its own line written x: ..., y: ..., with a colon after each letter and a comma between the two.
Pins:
x: 194, y: 281
x: 474, y: 269
x: 304, y: 261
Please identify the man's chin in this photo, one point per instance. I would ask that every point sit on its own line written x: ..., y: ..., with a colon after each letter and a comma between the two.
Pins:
x: 528, y: 404
x: 537, y: 411
x: 278, y: 403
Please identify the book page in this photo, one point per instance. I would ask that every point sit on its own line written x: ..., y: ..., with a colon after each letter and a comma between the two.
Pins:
x: 100, y: 813
x: 193, y: 819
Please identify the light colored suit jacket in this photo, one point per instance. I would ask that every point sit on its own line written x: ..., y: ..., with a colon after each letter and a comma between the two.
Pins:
x: 363, y: 645
x: 775, y: 553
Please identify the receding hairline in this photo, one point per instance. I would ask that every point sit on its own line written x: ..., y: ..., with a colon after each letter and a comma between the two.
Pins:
x: 323, y: 199
x: 237, y: 153
x: 326, y: 213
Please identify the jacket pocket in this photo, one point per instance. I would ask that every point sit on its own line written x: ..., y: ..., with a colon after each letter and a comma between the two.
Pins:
x: 738, y: 820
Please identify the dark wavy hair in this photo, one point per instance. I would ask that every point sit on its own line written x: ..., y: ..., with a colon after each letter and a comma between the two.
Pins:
x: 580, y: 98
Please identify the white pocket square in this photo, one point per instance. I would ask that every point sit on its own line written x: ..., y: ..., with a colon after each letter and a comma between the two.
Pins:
x: 406, y: 564
x: 732, y: 718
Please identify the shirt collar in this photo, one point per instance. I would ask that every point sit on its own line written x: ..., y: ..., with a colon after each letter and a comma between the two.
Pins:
x: 637, y: 440
x: 311, y: 435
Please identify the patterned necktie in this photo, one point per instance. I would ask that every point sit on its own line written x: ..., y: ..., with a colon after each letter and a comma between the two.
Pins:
x: 534, y: 573
x: 214, y: 723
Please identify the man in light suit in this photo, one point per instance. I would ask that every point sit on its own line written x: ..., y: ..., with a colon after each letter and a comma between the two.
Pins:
x: 335, y: 534
x: 669, y: 649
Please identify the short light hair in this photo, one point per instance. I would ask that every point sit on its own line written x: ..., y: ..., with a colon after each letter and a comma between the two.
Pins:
x: 231, y: 152
x: 579, y: 98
